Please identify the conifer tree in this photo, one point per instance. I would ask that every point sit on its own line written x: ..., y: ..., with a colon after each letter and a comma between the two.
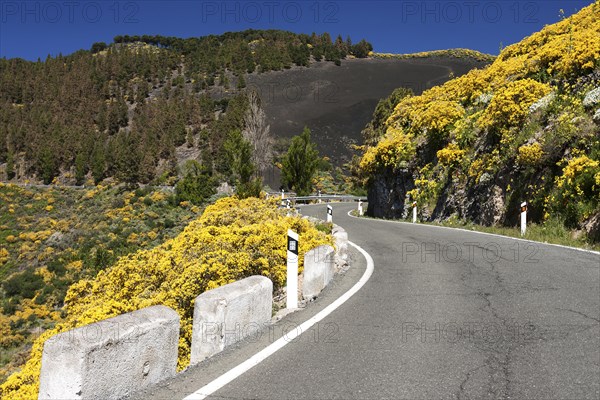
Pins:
x: 300, y: 163
x: 10, y: 166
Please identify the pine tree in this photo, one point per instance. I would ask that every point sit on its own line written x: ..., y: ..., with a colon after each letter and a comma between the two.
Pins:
x: 80, y: 169
x: 10, y: 166
x: 189, y: 138
x: 238, y: 152
x: 300, y: 164
x: 241, y: 82
x: 243, y: 170
x: 98, y: 164
x: 127, y: 157
x: 341, y: 47
x: 48, y: 165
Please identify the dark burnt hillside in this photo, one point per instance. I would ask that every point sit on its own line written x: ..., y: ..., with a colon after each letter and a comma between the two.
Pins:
x: 336, y: 102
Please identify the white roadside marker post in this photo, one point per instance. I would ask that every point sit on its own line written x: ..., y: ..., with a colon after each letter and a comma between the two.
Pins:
x: 360, y: 208
x: 523, y: 218
x: 414, y: 205
x: 329, y: 213
x: 282, y: 194
x: 319, y: 197
x: 292, y: 270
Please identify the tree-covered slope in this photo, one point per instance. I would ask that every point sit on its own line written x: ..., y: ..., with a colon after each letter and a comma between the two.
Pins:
x: 123, y: 110
x: 525, y: 128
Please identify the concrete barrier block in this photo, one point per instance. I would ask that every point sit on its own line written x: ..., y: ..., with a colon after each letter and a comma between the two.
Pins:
x: 319, y: 268
x: 228, y: 314
x: 112, y: 358
x: 340, y: 237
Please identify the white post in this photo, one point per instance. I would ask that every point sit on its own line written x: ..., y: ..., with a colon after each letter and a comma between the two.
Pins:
x: 319, y: 197
x: 329, y: 213
x: 523, y: 218
x: 360, y: 208
x: 282, y: 194
x: 292, y: 270
x: 288, y: 204
x: 414, y: 204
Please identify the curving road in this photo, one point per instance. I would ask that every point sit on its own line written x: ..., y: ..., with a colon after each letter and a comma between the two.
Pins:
x: 447, y: 314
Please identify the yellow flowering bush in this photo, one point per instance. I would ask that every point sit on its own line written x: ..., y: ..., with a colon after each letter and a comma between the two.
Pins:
x: 157, y: 196
x: 476, y: 168
x: 3, y: 255
x: 567, y: 48
x: 510, y: 105
x: 530, y: 154
x: 438, y: 116
x: 578, y: 173
x: 577, y: 192
x: 423, y: 191
x: 233, y: 239
x: 396, y: 147
x: 450, y: 155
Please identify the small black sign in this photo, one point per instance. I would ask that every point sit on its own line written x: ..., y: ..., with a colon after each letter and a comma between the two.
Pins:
x: 292, y: 245
x: 329, y: 210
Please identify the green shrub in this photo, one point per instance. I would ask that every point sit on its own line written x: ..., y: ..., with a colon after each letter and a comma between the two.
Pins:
x: 24, y: 284
x: 197, y: 185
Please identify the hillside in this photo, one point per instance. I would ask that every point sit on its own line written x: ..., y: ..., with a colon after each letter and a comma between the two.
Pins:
x: 52, y: 237
x: 525, y: 128
x: 231, y: 240
x: 336, y: 102
x: 135, y: 111
x: 126, y: 109
x: 138, y: 108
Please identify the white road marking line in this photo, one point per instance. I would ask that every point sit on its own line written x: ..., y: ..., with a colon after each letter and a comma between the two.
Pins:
x: 256, y: 359
x: 481, y: 233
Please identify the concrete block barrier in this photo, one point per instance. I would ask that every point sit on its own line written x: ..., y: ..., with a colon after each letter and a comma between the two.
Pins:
x: 319, y: 268
x: 112, y: 358
x: 340, y: 237
x: 228, y: 314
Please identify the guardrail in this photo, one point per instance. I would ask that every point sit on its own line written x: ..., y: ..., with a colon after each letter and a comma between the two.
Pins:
x: 316, y: 197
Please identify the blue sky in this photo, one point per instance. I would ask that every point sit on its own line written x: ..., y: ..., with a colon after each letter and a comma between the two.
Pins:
x: 32, y: 29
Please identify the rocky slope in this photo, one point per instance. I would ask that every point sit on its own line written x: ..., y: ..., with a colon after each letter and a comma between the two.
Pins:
x: 525, y: 128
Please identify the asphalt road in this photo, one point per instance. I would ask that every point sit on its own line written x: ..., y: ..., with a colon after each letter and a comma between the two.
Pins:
x: 447, y: 314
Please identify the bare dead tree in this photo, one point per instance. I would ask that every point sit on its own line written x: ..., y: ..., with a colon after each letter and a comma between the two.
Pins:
x: 258, y: 133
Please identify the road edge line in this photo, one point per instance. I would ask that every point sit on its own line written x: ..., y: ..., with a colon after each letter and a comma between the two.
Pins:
x: 257, y: 358
x: 483, y: 233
